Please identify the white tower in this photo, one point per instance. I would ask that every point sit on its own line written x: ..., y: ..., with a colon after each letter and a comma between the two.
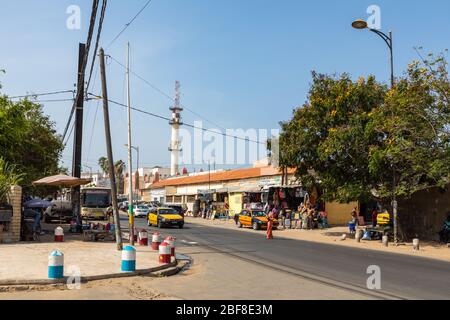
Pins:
x: 175, y: 144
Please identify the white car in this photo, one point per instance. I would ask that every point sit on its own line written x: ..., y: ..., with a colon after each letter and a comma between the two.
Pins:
x: 141, y: 211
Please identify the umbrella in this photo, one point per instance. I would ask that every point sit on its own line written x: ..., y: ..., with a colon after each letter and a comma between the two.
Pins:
x: 62, y: 181
x: 37, y: 204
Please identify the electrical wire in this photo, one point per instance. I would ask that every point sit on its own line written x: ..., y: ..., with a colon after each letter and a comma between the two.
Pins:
x: 85, y: 60
x: 128, y: 24
x: 99, y: 32
x: 169, y: 119
x: 42, y: 94
x: 164, y: 94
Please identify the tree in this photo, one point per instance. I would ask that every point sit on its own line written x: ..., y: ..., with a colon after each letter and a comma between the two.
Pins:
x: 104, y: 165
x: 8, y: 178
x: 119, y: 167
x: 415, y: 120
x: 28, y: 140
x: 327, y: 140
x: 358, y: 138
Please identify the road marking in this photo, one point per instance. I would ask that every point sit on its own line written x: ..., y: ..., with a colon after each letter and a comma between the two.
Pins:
x: 189, y: 242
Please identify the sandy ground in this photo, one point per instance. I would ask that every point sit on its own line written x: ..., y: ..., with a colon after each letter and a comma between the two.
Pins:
x: 29, y: 261
x: 333, y: 235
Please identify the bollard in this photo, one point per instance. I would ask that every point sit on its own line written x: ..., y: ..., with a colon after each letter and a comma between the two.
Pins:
x: 416, y: 244
x: 129, y: 259
x: 171, y: 243
x: 143, y: 238
x: 164, y: 253
x: 385, y: 241
x: 135, y: 236
x: 56, y: 265
x: 59, y: 234
x: 156, y: 241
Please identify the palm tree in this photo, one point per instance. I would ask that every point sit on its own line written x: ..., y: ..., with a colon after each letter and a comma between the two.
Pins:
x: 119, y: 168
x: 104, y: 166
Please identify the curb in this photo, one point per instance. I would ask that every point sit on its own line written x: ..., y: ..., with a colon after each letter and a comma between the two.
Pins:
x: 167, y: 270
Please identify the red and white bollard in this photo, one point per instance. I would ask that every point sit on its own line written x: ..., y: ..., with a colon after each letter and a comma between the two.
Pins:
x: 143, y: 238
x: 156, y: 241
x: 164, y: 253
x: 59, y: 234
x: 171, y: 243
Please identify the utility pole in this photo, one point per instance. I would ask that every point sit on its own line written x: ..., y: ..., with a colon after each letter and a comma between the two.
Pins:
x: 112, y: 174
x: 78, y: 136
x: 130, y: 159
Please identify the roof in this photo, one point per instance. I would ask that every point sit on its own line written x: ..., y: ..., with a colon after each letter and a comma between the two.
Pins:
x: 229, y: 175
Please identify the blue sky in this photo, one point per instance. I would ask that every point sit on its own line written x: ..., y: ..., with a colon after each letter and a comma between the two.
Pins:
x: 241, y: 63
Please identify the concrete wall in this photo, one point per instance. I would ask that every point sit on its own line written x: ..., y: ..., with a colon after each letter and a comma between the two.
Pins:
x: 424, y: 213
x: 339, y: 213
x: 13, y: 234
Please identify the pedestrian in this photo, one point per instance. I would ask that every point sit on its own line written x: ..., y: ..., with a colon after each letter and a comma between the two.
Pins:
x: 355, y: 217
x: 324, y: 218
x: 270, y: 219
x: 236, y: 218
x: 374, y: 217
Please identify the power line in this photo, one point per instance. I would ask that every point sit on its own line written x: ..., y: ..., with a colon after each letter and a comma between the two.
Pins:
x: 99, y: 32
x: 128, y: 24
x: 184, y: 124
x: 163, y: 93
x: 85, y: 59
x: 53, y: 100
x: 43, y: 94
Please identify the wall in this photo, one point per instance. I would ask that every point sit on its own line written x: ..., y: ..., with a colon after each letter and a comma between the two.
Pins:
x: 236, y: 202
x: 424, y: 213
x: 13, y: 234
x: 339, y: 213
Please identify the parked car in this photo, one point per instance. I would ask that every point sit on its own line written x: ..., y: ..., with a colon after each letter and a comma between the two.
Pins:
x: 59, y: 210
x: 141, y: 211
x: 123, y: 205
x: 257, y: 219
x: 179, y: 208
x: 165, y: 217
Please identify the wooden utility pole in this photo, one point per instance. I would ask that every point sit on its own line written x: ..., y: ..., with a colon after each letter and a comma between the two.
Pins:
x: 78, y: 136
x: 112, y: 173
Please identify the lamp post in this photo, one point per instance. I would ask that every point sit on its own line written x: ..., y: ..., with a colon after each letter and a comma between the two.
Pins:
x: 361, y: 25
x: 137, y: 151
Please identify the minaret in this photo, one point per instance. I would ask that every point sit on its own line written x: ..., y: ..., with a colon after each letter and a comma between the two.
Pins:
x: 175, y: 145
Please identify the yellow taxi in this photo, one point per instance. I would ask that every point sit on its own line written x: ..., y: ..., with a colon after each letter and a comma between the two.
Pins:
x: 257, y: 219
x: 165, y: 217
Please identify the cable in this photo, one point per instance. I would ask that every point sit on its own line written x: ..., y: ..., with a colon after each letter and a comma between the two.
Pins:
x: 99, y: 32
x: 53, y: 100
x: 128, y: 24
x: 92, y: 131
x: 85, y: 58
x: 164, y: 94
x: 42, y: 94
x: 169, y: 119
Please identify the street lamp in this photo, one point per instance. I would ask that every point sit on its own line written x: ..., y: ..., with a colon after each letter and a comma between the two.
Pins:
x: 137, y: 151
x: 361, y: 25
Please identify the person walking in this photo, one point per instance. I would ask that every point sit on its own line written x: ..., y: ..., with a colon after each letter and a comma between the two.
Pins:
x: 270, y: 219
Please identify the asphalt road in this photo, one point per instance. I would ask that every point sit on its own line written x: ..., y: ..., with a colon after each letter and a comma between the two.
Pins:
x: 332, y: 269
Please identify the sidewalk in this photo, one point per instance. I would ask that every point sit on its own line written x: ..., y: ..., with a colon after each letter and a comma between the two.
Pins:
x: 29, y: 261
x: 333, y: 236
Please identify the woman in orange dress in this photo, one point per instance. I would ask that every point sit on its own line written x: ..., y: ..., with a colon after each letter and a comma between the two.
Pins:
x: 270, y: 219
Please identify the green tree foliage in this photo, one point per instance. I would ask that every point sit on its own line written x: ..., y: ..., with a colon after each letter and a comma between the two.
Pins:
x: 8, y: 178
x: 415, y: 120
x: 352, y: 136
x: 327, y: 140
x: 28, y: 140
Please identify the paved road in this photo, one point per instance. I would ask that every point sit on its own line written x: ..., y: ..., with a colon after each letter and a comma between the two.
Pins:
x: 327, y: 268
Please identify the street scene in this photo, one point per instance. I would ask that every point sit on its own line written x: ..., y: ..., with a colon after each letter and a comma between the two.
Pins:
x: 235, y: 151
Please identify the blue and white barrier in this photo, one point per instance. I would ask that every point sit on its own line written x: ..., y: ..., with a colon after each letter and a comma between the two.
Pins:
x: 129, y: 259
x: 56, y: 265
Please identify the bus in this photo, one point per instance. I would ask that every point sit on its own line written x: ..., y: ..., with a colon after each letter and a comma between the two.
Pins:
x: 95, y: 203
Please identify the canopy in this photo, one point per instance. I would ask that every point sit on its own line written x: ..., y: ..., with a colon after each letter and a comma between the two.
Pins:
x: 37, y: 203
x: 62, y: 181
